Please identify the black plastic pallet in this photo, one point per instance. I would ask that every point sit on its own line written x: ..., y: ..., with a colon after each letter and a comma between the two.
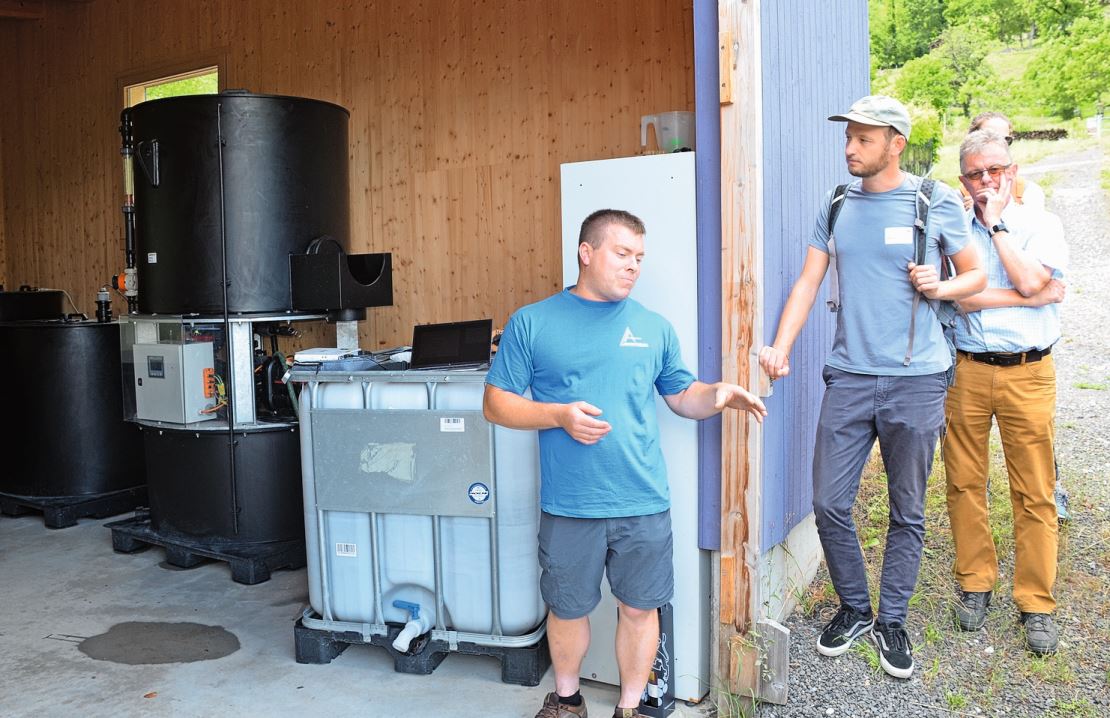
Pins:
x: 249, y: 563
x: 519, y: 666
x: 59, y: 512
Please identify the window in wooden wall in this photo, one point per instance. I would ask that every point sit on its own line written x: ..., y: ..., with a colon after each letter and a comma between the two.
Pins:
x: 204, y: 81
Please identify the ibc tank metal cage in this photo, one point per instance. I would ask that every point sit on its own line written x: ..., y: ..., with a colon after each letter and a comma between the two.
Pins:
x: 417, y: 509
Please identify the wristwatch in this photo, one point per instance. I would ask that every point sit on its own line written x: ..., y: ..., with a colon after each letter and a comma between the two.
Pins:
x: 1000, y: 227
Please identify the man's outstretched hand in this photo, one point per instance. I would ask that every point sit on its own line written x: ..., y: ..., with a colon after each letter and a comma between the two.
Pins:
x: 735, y: 397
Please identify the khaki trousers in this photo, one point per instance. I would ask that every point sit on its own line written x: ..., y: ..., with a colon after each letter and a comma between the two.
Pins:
x: 1022, y: 399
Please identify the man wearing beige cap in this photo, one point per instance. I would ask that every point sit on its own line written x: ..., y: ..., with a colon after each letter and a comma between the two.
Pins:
x: 886, y: 375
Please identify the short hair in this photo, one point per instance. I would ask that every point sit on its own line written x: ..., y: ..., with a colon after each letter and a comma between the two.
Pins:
x: 980, y: 119
x: 979, y: 140
x: 593, y: 227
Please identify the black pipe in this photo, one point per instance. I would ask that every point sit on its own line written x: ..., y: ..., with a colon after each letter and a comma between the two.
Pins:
x: 127, y: 150
x: 228, y: 342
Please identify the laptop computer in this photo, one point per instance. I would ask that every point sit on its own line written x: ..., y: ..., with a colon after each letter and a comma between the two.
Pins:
x: 452, y: 345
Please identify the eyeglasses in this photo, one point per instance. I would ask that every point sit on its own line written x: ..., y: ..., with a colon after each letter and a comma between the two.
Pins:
x: 994, y: 172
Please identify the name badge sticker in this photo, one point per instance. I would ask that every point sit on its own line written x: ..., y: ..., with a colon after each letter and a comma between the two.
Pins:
x: 899, y: 235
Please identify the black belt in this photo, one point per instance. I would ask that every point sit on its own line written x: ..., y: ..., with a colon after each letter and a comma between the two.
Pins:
x: 996, y: 359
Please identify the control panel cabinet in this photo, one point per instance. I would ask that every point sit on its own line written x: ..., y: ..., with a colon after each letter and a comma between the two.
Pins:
x: 172, y: 382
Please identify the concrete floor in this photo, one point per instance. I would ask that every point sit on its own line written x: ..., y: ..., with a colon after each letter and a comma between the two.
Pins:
x: 61, y: 586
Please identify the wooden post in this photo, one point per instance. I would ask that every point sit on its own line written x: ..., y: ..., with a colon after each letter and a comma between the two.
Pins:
x: 741, y: 270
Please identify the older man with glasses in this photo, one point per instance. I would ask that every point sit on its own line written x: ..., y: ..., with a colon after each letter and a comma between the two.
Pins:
x: 1005, y: 371
x: 1024, y: 191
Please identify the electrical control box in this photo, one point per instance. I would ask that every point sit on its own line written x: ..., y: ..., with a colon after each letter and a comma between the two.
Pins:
x: 173, y: 382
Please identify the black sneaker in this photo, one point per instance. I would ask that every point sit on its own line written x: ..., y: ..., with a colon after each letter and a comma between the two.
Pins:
x: 846, y: 626
x: 1041, y: 636
x: 895, y: 651
x: 971, y: 609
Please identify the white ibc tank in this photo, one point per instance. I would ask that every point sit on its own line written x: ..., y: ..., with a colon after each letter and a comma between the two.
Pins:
x: 364, y: 580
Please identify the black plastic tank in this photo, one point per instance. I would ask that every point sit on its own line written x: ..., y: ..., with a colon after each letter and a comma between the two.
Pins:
x: 250, y: 178
x: 30, y: 303
x: 193, y: 497
x: 68, y: 438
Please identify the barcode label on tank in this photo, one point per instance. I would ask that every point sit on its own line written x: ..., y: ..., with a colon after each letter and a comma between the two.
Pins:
x: 346, y: 549
x: 446, y: 424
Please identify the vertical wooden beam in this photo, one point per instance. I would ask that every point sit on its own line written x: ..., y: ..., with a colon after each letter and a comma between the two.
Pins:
x: 741, y: 270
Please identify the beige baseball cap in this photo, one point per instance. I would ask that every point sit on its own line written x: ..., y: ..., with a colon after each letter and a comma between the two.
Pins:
x: 880, y: 111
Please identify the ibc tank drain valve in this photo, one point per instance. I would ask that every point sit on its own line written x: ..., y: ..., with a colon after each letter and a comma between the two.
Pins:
x: 416, y: 626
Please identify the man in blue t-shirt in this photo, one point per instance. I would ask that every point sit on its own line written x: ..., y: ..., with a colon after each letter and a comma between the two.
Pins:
x: 886, y: 375
x: 593, y: 359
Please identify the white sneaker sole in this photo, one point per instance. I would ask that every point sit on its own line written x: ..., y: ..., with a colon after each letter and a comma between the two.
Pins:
x: 890, y: 669
x: 860, y: 629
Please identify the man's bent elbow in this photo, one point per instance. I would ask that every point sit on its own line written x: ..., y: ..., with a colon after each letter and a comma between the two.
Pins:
x: 1029, y: 286
x: 488, y: 409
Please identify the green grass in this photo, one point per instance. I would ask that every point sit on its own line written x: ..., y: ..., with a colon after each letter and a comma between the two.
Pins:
x: 865, y: 650
x: 1010, y: 63
x: 1008, y: 669
x: 1090, y: 385
x: 956, y: 701
x: 1051, y: 669
x: 1074, y: 708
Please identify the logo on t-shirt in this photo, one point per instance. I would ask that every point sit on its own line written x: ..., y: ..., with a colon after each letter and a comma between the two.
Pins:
x: 631, y: 340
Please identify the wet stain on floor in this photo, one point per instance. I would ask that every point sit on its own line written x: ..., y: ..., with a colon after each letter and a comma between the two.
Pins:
x: 146, y: 643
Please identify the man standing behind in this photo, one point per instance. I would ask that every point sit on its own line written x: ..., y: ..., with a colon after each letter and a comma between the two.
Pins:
x: 593, y: 359
x: 1024, y: 191
x: 886, y: 375
x: 1004, y: 370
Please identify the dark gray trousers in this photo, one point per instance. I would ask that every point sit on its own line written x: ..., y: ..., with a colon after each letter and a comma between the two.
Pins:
x: 906, y: 415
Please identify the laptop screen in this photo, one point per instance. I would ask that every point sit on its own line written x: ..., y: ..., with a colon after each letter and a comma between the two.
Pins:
x: 454, y: 344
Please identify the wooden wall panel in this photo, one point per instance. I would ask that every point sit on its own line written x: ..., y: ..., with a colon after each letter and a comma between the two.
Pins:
x: 461, y: 113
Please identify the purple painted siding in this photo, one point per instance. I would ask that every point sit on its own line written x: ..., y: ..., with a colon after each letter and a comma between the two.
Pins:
x: 815, y: 63
x: 707, y: 168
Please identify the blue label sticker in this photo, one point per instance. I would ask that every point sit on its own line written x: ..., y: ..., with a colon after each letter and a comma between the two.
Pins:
x: 478, y: 493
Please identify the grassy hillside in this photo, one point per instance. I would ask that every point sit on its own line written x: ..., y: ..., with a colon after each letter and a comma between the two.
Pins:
x: 1009, y: 63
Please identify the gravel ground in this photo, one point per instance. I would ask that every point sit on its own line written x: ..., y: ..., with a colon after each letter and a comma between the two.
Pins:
x: 989, y: 672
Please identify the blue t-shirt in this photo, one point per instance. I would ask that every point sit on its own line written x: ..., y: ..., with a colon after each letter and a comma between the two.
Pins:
x: 613, y: 355
x: 874, y: 245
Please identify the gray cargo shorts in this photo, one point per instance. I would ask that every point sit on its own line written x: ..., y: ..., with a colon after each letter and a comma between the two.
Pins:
x: 633, y: 551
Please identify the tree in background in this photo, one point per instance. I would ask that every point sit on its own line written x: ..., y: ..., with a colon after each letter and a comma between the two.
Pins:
x: 953, y: 73
x: 1002, y: 19
x: 1056, y: 17
x: 927, y: 81
x: 903, y: 29
x: 1073, y: 69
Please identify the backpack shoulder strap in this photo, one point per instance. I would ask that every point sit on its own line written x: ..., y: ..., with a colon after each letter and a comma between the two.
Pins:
x: 835, y: 205
x: 922, y: 199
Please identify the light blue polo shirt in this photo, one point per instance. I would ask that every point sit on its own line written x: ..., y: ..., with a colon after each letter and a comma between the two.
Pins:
x: 614, y: 355
x: 874, y: 245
